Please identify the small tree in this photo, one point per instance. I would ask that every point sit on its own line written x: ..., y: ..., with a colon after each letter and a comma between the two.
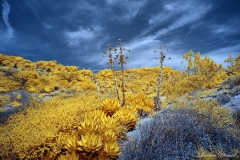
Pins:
x: 161, y: 60
x: 121, y: 57
x: 234, y: 66
x: 111, y: 62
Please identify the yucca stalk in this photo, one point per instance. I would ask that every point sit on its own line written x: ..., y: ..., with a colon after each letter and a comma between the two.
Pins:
x: 161, y: 60
x: 121, y: 62
x: 94, y: 79
x: 111, y: 62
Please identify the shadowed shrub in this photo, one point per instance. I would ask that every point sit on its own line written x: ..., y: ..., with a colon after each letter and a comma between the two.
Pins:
x: 176, y: 135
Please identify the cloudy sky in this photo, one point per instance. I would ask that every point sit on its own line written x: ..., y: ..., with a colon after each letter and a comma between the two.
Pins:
x: 76, y: 32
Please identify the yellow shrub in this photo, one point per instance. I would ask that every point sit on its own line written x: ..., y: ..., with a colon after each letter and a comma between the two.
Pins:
x: 4, y: 100
x: 48, y: 89
x: 16, y: 104
x: 32, y: 90
x: 3, y: 90
x: 41, y: 95
x: 19, y: 97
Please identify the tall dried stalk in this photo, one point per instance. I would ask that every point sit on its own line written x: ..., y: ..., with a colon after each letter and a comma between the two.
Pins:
x: 95, y: 81
x: 161, y: 60
x: 121, y: 62
x: 111, y: 62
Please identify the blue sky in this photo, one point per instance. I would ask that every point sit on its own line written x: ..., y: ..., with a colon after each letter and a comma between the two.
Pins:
x: 75, y: 32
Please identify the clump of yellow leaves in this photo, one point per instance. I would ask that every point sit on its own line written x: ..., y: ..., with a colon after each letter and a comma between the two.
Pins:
x: 110, y: 106
x: 141, y: 102
x: 90, y: 143
x: 69, y: 156
x: 127, y: 116
x: 95, y: 136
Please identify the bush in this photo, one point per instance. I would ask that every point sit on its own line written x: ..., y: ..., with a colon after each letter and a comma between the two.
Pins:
x: 223, y: 98
x: 176, y: 135
x: 232, y: 81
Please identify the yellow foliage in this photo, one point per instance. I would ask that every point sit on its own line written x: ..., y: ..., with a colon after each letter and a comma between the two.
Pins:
x: 16, y: 104
x: 4, y: 100
x: 88, y: 126
x: 141, y: 102
x: 110, y: 106
x: 32, y: 90
x: 71, y: 139
x: 90, y: 143
x: 219, y: 116
x: 127, y: 117
x: 112, y: 149
x: 41, y: 95
x: 48, y: 89
x: 19, y: 96
x: 3, y: 90
x: 109, y: 136
x: 2, y: 110
x: 233, y: 68
x: 69, y: 156
x: 77, y: 123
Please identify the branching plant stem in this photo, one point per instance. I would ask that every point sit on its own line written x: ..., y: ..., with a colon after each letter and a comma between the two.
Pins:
x: 161, y: 60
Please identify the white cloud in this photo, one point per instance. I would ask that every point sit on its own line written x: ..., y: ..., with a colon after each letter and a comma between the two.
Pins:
x: 47, y: 25
x: 111, y: 1
x: 219, y: 55
x: 168, y: 7
x: 5, y: 13
x: 131, y: 9
x: 184, y: 15
x: 74, y: 38
x: 228, y: 28
x: 186, y: 19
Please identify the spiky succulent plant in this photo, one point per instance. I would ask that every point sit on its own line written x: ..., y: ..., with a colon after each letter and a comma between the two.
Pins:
x: 90, y: 143
x: 72, y: 156
x: 110, y: 106
x: 112, y: 149
x: 127, y: 117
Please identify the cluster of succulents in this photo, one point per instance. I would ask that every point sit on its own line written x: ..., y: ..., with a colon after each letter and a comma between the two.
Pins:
x: 141, y: 102
x: 110, y: 106
x: 94, y: 137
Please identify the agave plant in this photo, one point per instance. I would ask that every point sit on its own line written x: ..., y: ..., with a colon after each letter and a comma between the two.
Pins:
x: 71, y: 141
x: 109, y: 136
x: 88, y: 126
x: 112, y: 124
x: 127, y: 116
x: 72, y: 156
x: 110, y: 106
x: 112, y: 149
x: 90, y: 143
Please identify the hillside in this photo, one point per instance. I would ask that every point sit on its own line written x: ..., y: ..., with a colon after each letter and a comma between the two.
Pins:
x: 51, y: 111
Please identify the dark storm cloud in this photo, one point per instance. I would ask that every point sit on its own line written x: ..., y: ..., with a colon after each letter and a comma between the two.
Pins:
x: 75, y: 32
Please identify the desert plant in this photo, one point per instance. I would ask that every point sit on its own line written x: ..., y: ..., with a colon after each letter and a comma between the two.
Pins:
x: 202, y: 72
x: 233, y: 68
x: 176, y: 135
x: 94, y: 79
x: 111, y: 62
x: 161, y: 60
x: 121, y: 57
x: 110, y: 106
